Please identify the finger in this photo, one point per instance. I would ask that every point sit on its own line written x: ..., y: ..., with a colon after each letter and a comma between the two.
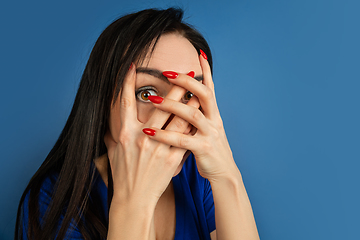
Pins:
x: 128, y: 110
x: 203, y: 93
x: 160, y: 118
x: 178, y: 123
x: 185, y: 113
x: 174, y: 139
x: 207, y: 81
x: 207, y: 76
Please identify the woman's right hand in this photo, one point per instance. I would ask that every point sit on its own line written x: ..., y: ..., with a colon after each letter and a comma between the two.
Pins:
x: 142, y: 168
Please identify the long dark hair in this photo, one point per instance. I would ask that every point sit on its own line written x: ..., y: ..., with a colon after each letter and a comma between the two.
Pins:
x: 124, y: 41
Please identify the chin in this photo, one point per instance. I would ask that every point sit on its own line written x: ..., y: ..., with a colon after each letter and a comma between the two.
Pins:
x: 178, y: 170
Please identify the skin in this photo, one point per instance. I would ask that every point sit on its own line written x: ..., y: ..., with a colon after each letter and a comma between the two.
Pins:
x: 143, y: 166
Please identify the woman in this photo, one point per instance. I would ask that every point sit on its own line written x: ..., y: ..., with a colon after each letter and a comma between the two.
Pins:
x: 122, y: 167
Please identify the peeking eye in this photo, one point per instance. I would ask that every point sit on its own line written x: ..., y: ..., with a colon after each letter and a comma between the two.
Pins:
x: 143, y: 94
x: 187, y: 96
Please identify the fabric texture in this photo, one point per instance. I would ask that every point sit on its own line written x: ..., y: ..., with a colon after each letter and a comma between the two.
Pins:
x: 195, y: 212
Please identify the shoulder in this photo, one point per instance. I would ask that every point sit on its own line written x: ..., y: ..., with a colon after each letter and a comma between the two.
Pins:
x: 44, y: 194
x: 36, y: 197
x: 47, y: 189
x: 36, y: 203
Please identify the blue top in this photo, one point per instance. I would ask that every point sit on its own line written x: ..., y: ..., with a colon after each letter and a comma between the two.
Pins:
x: 195, y: 212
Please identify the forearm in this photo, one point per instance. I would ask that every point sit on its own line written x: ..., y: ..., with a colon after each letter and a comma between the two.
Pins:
x: 233, y: 213
x: 131, y: 221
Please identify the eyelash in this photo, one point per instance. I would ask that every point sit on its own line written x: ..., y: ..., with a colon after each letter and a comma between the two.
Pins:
x: 147, y: 90
x: 143, y: 90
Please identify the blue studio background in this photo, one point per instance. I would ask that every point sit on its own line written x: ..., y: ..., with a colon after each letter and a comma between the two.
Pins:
x: 287, y: 83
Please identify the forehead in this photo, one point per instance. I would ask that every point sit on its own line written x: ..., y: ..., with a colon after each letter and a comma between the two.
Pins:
x: 173, y: 52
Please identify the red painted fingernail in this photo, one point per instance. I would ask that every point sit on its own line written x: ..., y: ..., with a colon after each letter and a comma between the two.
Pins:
x: 170, y: 74
x: 203, y: 54
x: 149, y: 131
x: 130, y: 66
x: 191, y: 74
x: 155, y: 99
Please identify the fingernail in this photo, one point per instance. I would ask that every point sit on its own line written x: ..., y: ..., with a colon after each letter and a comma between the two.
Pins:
x: 191, y: 74
x: 170, y: 74
x: 203, y: 54
x: 130, y: 66
x: 155, y: 99
x: 149, y: 131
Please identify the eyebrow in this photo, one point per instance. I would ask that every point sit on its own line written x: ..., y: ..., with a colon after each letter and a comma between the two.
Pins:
x: 158, y: 74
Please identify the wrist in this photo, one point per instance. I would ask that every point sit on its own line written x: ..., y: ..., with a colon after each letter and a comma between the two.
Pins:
x: 130, y: 220
x: 232, y: 177
x: 132, y: 204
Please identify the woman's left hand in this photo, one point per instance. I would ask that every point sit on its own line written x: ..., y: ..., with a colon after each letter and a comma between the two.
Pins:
x: 209, y: 144
x: 234, y: 216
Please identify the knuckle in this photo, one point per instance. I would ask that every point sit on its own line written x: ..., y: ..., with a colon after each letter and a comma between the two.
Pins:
x: 206, y: 146
x: 188, y: 81
x: 168, y: 164
x: 170, y: 105
x: 176, y: 93
x: 214, y: 132
x: 183, y: 142
x: 195, y: 114
x: 171, y: 161
x: 143, y: 142
x: 125, y: 102
x: 208, y: 93
x: 124, y: 137
x: 179, y: 123
x: 219, y: 124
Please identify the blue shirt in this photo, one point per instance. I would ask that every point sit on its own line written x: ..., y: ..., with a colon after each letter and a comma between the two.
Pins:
x: 194, y: 204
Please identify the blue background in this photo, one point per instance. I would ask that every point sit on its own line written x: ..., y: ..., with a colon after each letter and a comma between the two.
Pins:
x: 287, y: 82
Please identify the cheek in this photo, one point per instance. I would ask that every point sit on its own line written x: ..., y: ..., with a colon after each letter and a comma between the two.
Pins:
x: 144, y: 111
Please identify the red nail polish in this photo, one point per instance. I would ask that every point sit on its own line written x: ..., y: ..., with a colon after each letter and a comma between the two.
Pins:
x: 203, y: 54
x: 155, y: 99
x: 170, y: 74
x: 149, y: 131
x: 191, y: 74
x: 130, y: 66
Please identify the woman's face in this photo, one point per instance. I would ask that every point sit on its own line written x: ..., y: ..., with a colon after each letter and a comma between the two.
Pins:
x: 172, y: 52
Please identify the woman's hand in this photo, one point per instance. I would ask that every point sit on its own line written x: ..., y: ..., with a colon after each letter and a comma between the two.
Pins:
x: 209, y: 144
x: 233, y: 214
x: 141, y: 167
